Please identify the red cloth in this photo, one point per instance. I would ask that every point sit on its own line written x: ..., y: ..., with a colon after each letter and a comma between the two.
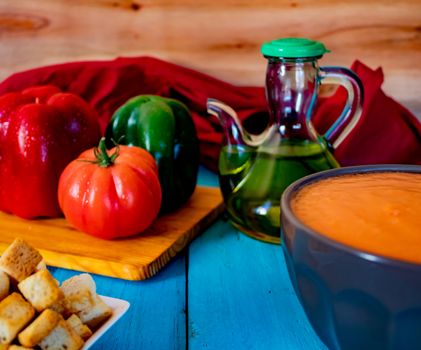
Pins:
x: 386, y: 133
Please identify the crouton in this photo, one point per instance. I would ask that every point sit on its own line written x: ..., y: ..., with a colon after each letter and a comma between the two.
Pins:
x: 41, y: 290
x: 96, y: 314
x: 19, y: 260
x: 15, y: 313
x: 39, y: 329
x: 4, y: 285
x: 58, y: 307
x: 81, y: 329
x: 79, y: 293
x: 82, y: 281
x: 17, y: 347
x: 62, y: 337
x: 4, y: 346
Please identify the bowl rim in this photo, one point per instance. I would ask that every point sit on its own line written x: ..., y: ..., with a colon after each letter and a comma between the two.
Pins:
x: 293, y: 188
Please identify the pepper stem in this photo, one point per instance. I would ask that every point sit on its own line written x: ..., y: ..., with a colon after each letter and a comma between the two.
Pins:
x: 101, y: 155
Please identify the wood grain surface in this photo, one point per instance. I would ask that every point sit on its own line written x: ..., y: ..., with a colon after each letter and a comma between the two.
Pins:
x: 134, y: 258
x: 221, y: 38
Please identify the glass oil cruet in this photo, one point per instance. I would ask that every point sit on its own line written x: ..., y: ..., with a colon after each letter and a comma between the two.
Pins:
x: 254, y: 170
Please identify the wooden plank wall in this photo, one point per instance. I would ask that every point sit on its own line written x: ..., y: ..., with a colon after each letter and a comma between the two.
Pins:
x: 221, y: 38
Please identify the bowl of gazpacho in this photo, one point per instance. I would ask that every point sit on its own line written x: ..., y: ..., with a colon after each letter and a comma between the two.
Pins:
x: 352, y: 243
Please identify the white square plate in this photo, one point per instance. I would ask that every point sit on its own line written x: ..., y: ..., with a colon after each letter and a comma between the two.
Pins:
x: 119, y: 308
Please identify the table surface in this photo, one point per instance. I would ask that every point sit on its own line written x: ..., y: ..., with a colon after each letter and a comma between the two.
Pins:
x: 225, y: 291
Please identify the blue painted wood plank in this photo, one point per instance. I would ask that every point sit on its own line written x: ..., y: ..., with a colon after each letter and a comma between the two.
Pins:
x: 240, y: 295
x: 156, y: 318
x: 207, y: 177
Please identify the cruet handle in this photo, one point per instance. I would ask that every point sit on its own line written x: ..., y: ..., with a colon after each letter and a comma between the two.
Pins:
x: 351, y: 113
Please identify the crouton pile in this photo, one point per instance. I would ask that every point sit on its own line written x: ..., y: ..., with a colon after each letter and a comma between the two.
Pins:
x: 36, y: 312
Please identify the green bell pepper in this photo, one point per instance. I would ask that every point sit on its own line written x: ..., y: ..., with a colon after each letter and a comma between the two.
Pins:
x: 165, y: 128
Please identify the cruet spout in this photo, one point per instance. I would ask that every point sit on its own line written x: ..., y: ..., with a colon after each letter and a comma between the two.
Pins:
x: 229, y: 121
x: 231, y: 124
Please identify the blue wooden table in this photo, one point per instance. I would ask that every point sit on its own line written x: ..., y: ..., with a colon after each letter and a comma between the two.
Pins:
x: 226, y: 291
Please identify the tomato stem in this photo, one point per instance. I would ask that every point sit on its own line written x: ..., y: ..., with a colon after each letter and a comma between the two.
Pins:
x: 101, y: 155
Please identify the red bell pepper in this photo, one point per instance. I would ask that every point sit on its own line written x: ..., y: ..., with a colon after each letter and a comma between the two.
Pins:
x: 41, y: 130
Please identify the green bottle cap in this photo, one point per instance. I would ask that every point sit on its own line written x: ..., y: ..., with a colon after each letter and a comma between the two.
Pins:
x: 293, y: 48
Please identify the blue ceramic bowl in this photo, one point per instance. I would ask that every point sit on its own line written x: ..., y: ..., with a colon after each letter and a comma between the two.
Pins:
x: 353, y: 299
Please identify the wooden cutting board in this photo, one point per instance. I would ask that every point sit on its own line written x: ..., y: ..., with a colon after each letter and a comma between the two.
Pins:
x: 134, y: 258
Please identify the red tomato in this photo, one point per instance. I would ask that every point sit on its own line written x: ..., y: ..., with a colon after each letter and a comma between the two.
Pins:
x: 111, y: 194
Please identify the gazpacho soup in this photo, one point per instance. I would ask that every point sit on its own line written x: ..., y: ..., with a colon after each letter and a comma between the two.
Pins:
x: 379, y: 212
